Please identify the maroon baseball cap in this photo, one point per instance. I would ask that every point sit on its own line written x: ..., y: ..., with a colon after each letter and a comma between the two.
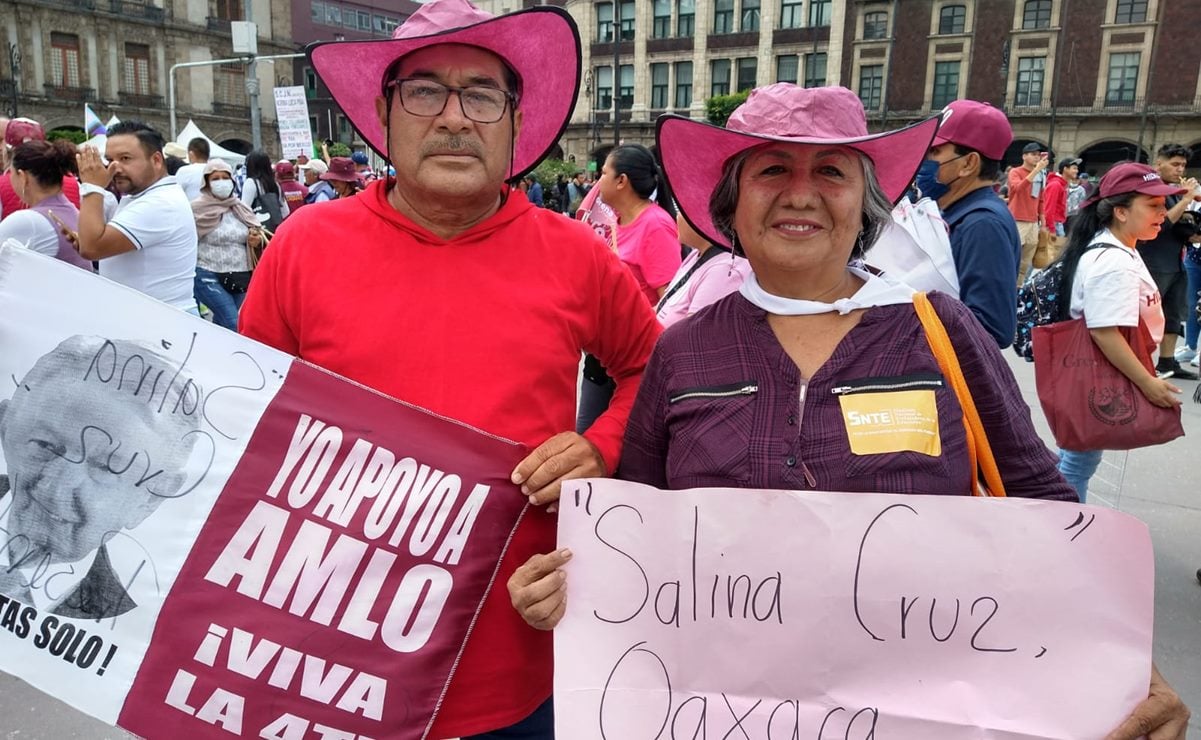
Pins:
x: 976, y: 126
x: 1132, y: 177
x: 21, y: 130
x: 284, y: 170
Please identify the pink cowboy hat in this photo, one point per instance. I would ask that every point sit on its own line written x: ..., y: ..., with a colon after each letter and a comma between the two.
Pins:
x: 532, y: 42
x: 694, y: 152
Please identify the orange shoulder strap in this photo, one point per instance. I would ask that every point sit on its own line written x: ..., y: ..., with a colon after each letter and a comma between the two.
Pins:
x: 979, y: 452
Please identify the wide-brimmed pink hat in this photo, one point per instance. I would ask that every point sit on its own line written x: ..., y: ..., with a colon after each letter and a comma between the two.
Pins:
x: 694, y: 153
x: 541, y: 45
x: 341, y: 168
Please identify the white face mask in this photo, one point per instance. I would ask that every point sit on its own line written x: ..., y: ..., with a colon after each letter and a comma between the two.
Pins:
x: 222, y: 188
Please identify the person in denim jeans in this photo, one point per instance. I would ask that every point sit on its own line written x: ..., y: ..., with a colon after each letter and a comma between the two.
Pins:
x: 1189, y: 229
x: 226, y: 228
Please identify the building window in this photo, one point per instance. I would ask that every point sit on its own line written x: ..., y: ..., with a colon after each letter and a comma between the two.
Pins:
x: 871, y: 85
x: 137, y: 69
x: 364, y: 18
x: 686, y: 18
x: 378, y: 22
x: 659, y: 86
x: 952, y: 19
x: 64, y: 60
x: 815, y: 69
x: 627, y: 19
x: 683, y: 85
x: 748, y: 70
x: 333, y: 15
x: 791, y: 14
x: 1036, y: 14
x: 750, y: 16
x: 1131, y: 11
x: 1030, y: 81
x: 661, y: 26
x: 875, y: 26
x: 604, y: 88
x: 228, y: 10
x: 786, y: 68
x: 391, y: 24
x: 820, y: 12
x: 723, y: 16
x: 604, y: 22
x: 626, y: 90
x: 317, y: 12
x: 946, y: 84
x: 310, y: 80
x: 719, y: 70
x: 1123, y: 78
x: 229, y: 85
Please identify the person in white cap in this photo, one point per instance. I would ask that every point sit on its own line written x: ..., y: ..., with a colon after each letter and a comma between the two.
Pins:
x: 319, y: 189
x: 489, y: 300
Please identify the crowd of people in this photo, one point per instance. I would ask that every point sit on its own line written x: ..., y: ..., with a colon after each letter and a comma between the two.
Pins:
x: 726, y: 300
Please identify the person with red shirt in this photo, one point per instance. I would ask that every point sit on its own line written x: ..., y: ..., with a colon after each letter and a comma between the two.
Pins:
x: 445, y: 288
x: 1026, y: 201
x: 1055, y: 214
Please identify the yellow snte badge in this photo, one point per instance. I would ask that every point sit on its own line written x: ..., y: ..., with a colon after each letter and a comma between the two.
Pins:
x: 897, y: 421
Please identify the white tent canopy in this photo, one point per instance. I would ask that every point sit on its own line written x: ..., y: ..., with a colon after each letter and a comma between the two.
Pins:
x: 216, y: 151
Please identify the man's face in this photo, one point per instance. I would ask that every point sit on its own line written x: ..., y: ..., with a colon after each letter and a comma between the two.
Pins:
x: 133, y: 170
x: 1171, y: 169
x: 449, y: 156
x: 1071, y: 172
x: 310, y: 177
x: 75, y: 480
x: 1030, y: 159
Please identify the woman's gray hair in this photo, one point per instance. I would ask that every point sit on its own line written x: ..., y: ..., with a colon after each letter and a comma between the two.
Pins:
x: 877, y: 208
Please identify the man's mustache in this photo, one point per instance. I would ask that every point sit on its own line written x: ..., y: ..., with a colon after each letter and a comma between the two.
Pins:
x: 454, y: 144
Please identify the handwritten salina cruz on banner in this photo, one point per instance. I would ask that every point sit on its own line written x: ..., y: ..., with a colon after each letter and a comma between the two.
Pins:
x: 771, y: 615
x: 201, y: 537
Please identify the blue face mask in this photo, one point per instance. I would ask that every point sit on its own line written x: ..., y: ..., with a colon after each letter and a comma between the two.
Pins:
x: 927, y: 180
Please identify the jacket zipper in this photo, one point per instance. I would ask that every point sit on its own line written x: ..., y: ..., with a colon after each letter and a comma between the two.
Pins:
x: 800, y: 417
x: 722, y: 391
x: 879, y: 385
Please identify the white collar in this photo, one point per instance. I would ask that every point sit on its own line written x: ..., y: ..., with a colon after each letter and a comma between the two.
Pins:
x: 1105, y: 236
x: 877, y: 290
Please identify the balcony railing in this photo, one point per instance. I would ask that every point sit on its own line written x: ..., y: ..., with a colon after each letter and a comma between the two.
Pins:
x: 231, y: 110
x: 136, y: 9
x: 1136, y: 107
x: 138, y: 100
x: 81, y: 94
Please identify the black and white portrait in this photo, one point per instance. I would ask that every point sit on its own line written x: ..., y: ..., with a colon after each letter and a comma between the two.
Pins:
x: 96, y: 436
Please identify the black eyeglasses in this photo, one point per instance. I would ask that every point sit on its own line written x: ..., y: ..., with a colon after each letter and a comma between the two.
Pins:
x: 427, y: 98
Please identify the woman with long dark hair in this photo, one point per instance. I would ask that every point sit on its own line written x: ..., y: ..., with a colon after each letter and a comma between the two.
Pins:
x: 1106, y: 282
x: 647, y: 243
x: 38, y: 169
x: 261, y: 193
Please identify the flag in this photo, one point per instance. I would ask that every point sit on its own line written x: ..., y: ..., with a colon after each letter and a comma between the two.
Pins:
x: 112, y: 122
x: 91, y: 122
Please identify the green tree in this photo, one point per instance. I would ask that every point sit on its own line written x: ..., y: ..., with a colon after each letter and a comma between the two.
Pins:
x: 339, y: 150
x: 74, y: 136
x: 719, y: 107
x: 548, y: 170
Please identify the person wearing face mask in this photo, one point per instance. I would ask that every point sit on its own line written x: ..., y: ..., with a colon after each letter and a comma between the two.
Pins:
x: 958, y: 174
x: 226, y: 227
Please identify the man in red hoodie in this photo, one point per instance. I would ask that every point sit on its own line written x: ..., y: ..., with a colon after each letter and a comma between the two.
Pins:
x: 1055, y: 196
x: 445, y: 288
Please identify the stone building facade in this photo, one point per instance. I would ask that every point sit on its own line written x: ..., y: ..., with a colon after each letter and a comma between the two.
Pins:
x: 1102, y: 79
x: 117, y: 56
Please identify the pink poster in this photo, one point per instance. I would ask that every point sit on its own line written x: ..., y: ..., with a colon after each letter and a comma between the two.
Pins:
x: 770, y: 614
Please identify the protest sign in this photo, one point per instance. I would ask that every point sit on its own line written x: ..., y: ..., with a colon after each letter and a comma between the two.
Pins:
x: 292, y: 119
x: 769, y: 614
x: 202, y: 537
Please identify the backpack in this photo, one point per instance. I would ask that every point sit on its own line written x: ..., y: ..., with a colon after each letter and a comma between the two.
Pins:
x: 1039, y: 305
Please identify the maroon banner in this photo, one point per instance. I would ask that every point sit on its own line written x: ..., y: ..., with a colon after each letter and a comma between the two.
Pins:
x: 331, y: 590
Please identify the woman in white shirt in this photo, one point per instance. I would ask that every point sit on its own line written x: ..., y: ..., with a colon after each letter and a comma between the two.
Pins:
x: 38, y: 169
x: 1111, y: 287
x: 226, y: 231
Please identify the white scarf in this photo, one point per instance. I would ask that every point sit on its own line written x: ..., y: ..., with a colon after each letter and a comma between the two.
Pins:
x: 876, y: 291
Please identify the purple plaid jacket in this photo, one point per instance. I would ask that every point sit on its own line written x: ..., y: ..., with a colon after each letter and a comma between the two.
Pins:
x: 722, y: 405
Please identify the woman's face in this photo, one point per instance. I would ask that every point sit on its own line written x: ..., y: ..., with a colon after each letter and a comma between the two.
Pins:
x: 608, y: 182
x: 1144, y: 216
x: 218, y: 175
x: 799, y: 209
